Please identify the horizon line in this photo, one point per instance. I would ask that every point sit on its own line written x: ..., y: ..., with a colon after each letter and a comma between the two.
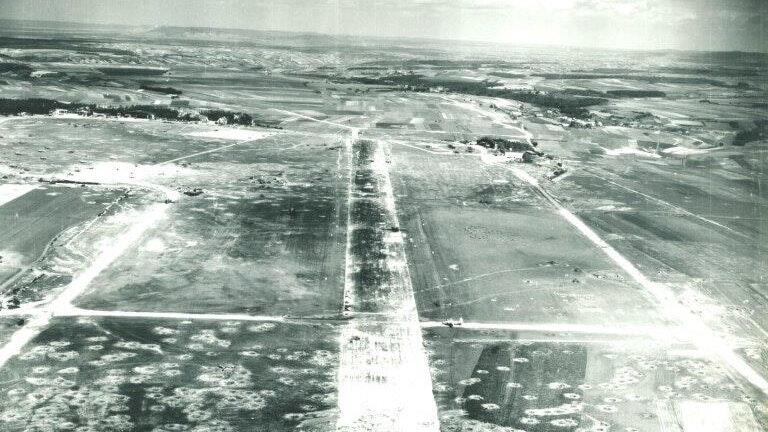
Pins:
x: 384, y: 37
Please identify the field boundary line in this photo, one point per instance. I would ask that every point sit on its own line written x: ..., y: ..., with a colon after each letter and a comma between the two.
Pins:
x: 639, y: 330
x: 224, y: 147
x: 668, y: 204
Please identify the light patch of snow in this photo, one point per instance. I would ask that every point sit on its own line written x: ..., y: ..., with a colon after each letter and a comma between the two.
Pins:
x: 154, y: 245
x: 554, y: 128
x: 524, y: 176
x: 715, y: 416
x: 75, y: 311
x: 497, y: 117
x: 656, y: 332
x: 630, y: 150
x: 11, y: 258
x: 231, y: 134
x: 66, y: 115
x: 117, y: 173
x: 39, y: 73
x: 9, y: 192
x: 684, y: 151
x: 307, y: 117
x: 125, y: 172
x: 5, y: 169
x: 612, y: 207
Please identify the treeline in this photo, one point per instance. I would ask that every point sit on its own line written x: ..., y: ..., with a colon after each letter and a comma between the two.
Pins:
x: 158, y: 89
x: 757, y: 133
x: 18, y: 69
x: 47, y: 106
x: 80, y: 45
x: 128, y: 71
x: 635, y: 93
x: 445, y: 64
x: 32, y: 106
x: 507, y: 75
x: 650, y: 79
x: 43, y: 106
x: 232, y: 117
x: 568, y: 104
x: 715, y: 71
x: 504, y: 145
x: 571, y: 105
x: 614, y: 93
x: 583, y: 92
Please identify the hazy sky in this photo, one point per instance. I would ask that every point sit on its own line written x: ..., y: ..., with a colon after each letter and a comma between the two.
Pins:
x: 682, y: 24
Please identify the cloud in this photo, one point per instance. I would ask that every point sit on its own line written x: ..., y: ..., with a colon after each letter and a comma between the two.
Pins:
x: 700, y: 24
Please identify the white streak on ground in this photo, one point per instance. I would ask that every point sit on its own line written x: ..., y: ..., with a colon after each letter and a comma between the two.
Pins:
x: 9, y: 192
x: 446, y: 153
x: 230, y: 133
x: 619, y: 330
x: 498, y: 118
x: 485, y: 275
x: 262, y: 135
x: 667, y: 204
x: 306, y: 117
x: 144, y: 220
x: 630, y: 150
x: 75, y: 311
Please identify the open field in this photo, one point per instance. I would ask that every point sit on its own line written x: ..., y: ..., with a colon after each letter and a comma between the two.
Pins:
x: 118, y: 374
x: 34, y: 220
x: 266, y: 237
x: 540, y: 383
x: 256, y: 232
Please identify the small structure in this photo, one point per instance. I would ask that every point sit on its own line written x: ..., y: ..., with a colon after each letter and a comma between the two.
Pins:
x: 528, y: 157
x: 193, y: 192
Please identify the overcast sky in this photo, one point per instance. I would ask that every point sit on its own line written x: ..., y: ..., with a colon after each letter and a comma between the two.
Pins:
x: 651, y: 24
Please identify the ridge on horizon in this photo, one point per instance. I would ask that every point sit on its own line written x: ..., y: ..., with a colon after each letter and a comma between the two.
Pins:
x: 68, y: 24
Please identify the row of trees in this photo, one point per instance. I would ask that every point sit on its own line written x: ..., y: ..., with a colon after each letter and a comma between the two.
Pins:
x: 47, y: 106
x: 573, y: 105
